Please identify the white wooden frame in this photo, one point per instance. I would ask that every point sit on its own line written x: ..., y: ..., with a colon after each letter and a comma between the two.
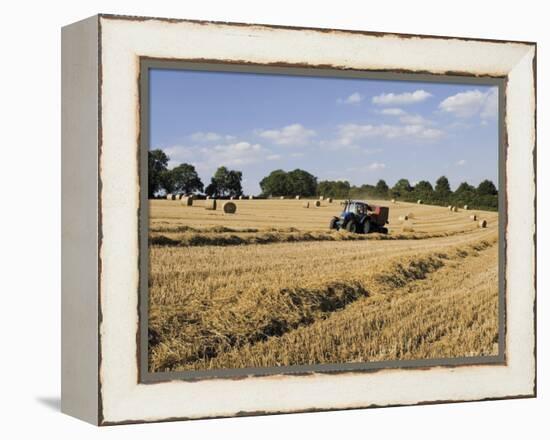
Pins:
x: 101, y: 59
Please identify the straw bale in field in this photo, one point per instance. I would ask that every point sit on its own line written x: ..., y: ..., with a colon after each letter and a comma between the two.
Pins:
x: 210, y: 204
x: 297, y: 197
x: 317, y: 203
x: 482, y: 223
x: 229, y: 208
x: 410, y: 215
x: 450, y: 207
x: 168, y: 196
x: 473, y: 217
x: 240, y: 197
x: 403, y: 218
x: 419, y: 201
x: 455, y: 209
x: 321, y: 197
x: 251, y: 197
x: 282, y: 197
x: 329, y: 200
x: 393, y: 200
x: 466, y: 207
x: 306, y: 205
x: 186, y: 201
x: 232, y: 198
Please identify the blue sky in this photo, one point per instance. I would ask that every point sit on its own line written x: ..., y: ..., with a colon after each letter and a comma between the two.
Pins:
x: 360, y: 130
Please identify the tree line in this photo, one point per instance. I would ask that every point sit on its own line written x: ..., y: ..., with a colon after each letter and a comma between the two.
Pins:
x: 184, y: 179
x: 484, y: 196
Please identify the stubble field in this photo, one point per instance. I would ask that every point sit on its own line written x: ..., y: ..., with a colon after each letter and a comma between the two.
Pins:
x: 272, y: 286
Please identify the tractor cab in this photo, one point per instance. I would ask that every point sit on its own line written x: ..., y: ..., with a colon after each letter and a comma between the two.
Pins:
x: 359, y: 217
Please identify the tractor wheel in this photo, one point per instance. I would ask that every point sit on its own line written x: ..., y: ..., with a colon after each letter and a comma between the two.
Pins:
x: 332, y: 224
x: 351, y: 226
x: 366, y: 227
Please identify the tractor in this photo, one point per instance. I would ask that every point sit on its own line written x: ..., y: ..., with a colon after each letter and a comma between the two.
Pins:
x: 360, y: 217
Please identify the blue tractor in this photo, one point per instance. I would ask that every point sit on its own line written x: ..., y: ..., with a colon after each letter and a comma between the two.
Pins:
x: 361, y: 218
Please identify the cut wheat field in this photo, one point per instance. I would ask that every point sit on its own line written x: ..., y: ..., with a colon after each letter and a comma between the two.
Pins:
x: 272, y: 286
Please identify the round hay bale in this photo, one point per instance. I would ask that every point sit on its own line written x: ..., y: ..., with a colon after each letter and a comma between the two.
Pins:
x: 410, y: 215
x: 297, y: 197
x: 208, y: 197
x: 403, y: 218
x: 329, y: 200
x: 450, y: 207
x: 186, y: 201
x: 229, y: 208
x: 455, y: 209
x: 317, y: 203
x: 419, y: 201
x: 232, y: 198
x: 393, y: 200
x: 322, y: 198
x: 210, y: 204
x: 465, y: 207
x: 168, y: 196
x: 251, y: 197
x: 473, y: 217
x: 482, y: 223
x: 282, y: 197
x: 240, y: 197
x: 407, y: 227
x: 306, y: 205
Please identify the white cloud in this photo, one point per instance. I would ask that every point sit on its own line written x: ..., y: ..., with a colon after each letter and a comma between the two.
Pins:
x: 238, y: 153
x: 393, y: 112
x: 376, y: 166
x: 295, y: 134
x: 472, y: 103
x: 178, y: 154
x: 297, y: 154
x: 206, y: 158
x: 201, y: 136
x: 461, y: 162
x: 273, y: 157
x: 354, y: 98
x: 415, y: 120
x: 401, y: 98
x: 350, y: 133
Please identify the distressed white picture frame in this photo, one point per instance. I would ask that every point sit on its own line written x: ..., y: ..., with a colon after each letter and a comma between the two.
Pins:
x: 101, y: 196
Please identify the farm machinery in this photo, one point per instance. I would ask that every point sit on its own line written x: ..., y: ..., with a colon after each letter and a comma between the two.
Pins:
x: 360, y: 217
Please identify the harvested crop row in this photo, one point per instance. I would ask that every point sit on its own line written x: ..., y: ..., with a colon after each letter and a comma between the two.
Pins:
x: 214, y: 312
x: 233, y: 239
x: 451, y: 312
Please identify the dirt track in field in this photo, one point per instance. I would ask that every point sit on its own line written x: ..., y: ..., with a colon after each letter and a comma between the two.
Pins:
x: 235, y: 291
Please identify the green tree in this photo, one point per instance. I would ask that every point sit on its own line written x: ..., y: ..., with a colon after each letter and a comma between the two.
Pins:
x: 401, y: 188
x: 225, y: 182
x: 424, y: 190
x: 338, y: 189
x: 302, y: 183
x: 186, y: 179
x: 167, y: 181
x: 277, y: 183
x: 157, y: 167
x: 487, y: 188
x: 382, y: 188
x: 464, y: 187
x: 442, y: 188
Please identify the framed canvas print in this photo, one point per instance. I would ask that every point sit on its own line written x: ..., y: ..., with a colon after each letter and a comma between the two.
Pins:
x: 263, y: 219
